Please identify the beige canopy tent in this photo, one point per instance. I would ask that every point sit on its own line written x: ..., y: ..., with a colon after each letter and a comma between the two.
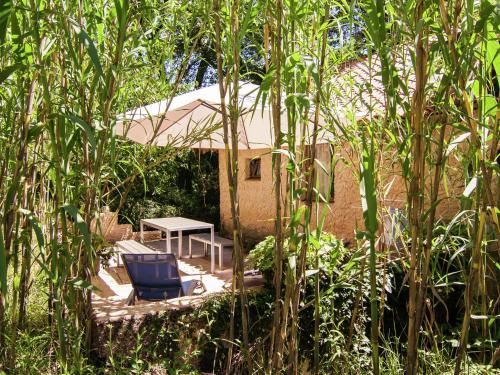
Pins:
x: 194, y: 120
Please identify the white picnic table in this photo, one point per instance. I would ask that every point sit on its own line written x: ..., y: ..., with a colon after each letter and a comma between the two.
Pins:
x: 179, y: 224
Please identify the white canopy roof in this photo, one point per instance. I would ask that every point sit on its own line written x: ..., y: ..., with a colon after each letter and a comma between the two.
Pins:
x: 194, y: 120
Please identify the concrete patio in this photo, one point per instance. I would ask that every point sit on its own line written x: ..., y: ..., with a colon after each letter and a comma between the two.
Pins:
x: 109, y: 301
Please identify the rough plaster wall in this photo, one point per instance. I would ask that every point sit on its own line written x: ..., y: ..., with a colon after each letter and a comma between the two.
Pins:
x: 343, y: 215
x: 257, y: 199
x: 256, y: 196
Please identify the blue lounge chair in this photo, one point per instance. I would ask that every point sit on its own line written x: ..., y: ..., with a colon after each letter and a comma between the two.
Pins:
x: 154, y: 277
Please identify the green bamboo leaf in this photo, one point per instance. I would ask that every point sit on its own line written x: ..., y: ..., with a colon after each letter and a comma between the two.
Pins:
x: 83, y: 284
x: 297, y: 216
x: 122, y: 11
x: 367, y: 188
x: 266, y: 87
x: 16, y: 281
x: 16, y: 35
x: 79, y: 222
x: 35, y: 225
x: 80, y: 123
x: 487, y: 10
x: 490, y: 105
x: 90, y: 47
x: 5, y: 73
x: 118, y: 8
x: 300, y: 100
x: 69, y: 145
x: 250, y: 14
x: 494, y: 56
x: 314, y: 242
x: 34, y: 131
x: 5, y: 10
x: 121, y: 7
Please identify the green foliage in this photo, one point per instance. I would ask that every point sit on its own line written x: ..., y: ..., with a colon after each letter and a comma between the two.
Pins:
x: 181, y: 183
x: 67, y: 69
x: 328, y: 246
x: 139, y: 209
x: 181, y: 342
x: 262, y: 257
x: 194, y: 341
x: 340, y: 281
x: 435, y: 361
x: 339, y: 278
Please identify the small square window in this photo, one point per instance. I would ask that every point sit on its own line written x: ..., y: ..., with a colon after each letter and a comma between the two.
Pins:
x: 253, y: 169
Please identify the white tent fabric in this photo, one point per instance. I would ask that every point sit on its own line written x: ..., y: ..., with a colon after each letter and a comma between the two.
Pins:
x: 194, y: 120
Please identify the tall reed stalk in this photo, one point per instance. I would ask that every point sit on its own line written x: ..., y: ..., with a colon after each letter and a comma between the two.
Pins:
x: 369, y: 203
x: 274, y: 25
x: 417, y: 185
x: 228, y: 57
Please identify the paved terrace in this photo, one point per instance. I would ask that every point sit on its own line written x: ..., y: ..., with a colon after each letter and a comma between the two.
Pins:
x: 109, y: 302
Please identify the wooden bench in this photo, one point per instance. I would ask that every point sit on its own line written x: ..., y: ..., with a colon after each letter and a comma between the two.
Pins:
x: 132, y: 247
x: 204, y: 238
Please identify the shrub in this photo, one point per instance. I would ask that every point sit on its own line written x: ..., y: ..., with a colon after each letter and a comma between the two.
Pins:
x: 147, y: 208
x: 262, y: 258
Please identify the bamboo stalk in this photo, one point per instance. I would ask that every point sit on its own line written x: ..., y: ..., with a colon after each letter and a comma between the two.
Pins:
x: 469, y: 291
x: 452, y: 31
x: 357, y: 305
x: 368, y: 197
x: 279, y: 324
x: 417, y: 184
x: 438, y: 170
x: 230, y: 127
x: 317, y: 104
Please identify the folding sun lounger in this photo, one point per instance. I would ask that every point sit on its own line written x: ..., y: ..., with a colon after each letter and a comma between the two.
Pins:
x: 155, y: 277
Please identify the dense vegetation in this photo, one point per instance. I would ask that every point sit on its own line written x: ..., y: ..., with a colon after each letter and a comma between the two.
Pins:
x: 428, y: 305
x: 185, y: 183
